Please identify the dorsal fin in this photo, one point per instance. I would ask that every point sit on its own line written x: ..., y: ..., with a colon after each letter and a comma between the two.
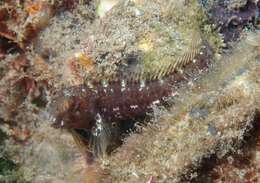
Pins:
x: 168, y: 67
x: 165, y: 68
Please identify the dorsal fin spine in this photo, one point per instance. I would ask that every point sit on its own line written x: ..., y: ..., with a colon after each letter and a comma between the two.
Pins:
x: 156, y: 73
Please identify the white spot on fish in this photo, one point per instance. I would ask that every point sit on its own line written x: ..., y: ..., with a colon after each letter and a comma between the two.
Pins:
x: 134, y: 106
x: 142, y: 85
x: 156, y: 102
x: 104, y: 83
x: 123, y: 85
x: 164, y: 98
x: 118, y: 114
x: 116, y: 109
x: 161, y: 81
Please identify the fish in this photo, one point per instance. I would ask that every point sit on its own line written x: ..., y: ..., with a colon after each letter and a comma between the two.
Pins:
x: 96, y: 111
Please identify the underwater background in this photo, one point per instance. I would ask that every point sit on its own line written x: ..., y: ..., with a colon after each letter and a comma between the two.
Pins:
x: 207, y: 129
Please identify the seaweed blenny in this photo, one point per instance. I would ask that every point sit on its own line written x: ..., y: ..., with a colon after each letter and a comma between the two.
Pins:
x: 98, y: 112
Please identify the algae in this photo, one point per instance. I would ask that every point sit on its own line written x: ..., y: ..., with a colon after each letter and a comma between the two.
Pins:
x: 208, y: 117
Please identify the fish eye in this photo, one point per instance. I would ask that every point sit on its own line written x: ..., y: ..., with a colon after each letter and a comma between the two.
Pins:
x: 114, y: 124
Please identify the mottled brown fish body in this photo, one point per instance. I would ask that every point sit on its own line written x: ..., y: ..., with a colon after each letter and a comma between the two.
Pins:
x: 103, y: 106
x: 118, y: 103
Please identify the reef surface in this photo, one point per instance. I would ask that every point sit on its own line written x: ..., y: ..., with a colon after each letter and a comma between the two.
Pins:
x: 209, y: 125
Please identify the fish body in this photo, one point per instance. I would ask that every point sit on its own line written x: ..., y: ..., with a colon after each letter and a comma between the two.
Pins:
x: 100, y: 108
